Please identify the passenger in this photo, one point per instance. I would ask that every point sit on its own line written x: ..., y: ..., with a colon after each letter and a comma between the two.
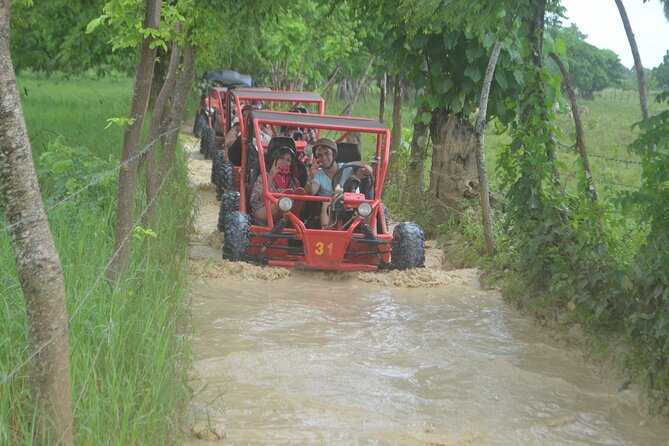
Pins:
x: 296, y: 133
x: 232, y: 143
x: 233, y: 139
x: 280, y: 177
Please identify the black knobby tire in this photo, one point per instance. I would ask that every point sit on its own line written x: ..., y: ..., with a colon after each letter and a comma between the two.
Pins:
x: 237, y: 237
x: 218, y: 158
x: 199, y: 125
x: 208, y: 142
x: 217, y: 161
x: 222, y: 173
x: 229, y: 204
x: 408, y: 246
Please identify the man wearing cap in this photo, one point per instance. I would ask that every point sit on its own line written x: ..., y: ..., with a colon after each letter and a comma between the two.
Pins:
x: 319, y: 181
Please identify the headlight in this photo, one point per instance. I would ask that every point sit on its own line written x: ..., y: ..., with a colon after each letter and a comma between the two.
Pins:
x: 285, y: 204
x: 364, y: 209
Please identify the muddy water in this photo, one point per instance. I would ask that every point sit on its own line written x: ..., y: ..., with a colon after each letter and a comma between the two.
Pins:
x: 424, y: 358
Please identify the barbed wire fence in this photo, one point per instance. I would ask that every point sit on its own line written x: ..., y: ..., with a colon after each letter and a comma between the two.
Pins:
x: 620, y: 95
x: 101, y: 277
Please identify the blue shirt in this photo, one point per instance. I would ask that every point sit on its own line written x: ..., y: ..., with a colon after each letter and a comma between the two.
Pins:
x: 325, y: 182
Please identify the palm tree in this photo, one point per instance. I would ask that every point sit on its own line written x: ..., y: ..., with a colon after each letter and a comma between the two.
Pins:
x: 637, y: 59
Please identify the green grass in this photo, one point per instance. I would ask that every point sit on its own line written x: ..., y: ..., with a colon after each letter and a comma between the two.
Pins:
x: 128, y: 353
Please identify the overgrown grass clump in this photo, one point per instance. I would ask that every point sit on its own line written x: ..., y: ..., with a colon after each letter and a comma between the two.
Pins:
x: 128, y: 352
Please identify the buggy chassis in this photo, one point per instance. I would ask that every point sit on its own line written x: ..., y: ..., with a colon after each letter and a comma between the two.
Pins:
x: 358, y: 240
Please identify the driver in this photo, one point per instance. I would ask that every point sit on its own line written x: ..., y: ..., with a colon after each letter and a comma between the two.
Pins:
x: 319, y: 180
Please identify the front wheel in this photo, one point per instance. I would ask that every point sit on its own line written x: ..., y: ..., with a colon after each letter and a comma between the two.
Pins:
x: 408, y: 246
x: 237, y: 236
x: 229, y: 204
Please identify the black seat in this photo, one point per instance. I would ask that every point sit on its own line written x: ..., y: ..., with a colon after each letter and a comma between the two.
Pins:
x: 280, y: 141
x: 348, y: 152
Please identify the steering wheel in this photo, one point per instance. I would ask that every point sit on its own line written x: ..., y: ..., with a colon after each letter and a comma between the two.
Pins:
x: 353, y: 181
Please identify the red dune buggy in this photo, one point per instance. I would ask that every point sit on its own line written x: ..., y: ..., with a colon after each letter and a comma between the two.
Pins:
x: 356, y: 237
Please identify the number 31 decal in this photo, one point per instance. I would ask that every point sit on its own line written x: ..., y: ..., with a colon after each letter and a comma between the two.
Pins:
x: 321, y: 248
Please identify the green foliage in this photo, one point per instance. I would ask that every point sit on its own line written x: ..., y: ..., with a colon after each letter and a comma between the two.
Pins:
x: 645, y: 301
x: 121, y: 122
x: 451, y: 66
x: 51, y: 37
x: 302, y: 43
x: 126, y: 18
x: 73, y: 173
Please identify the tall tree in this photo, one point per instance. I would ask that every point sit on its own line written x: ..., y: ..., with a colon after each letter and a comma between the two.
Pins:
x: 37, y: 260
x: 131, y: 146
x: 179, y: 100
x: 580, y: 133
x: 156, y: 129
x: 486, y: 213
x: 638, y: 67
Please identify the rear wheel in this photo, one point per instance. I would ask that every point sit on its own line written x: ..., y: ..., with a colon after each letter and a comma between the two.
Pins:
x: 208, y: 142
x: 229, y: 204
x: 237, y: 236
x: 408, y: 246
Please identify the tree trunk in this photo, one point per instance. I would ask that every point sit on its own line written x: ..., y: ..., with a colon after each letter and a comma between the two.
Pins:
x: 414, y: 182
x: 484, y: 188
x: 37, y: 261
x: 131, y: 144
x: 453, y: 176
x: 159, y: 75
x: 640, y: 76
x: 361, y: 84
x: 383, y: 84
x: 156, y: 129
x: 580, y: 134
x: 396, y: 132
x: 182, y: 92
